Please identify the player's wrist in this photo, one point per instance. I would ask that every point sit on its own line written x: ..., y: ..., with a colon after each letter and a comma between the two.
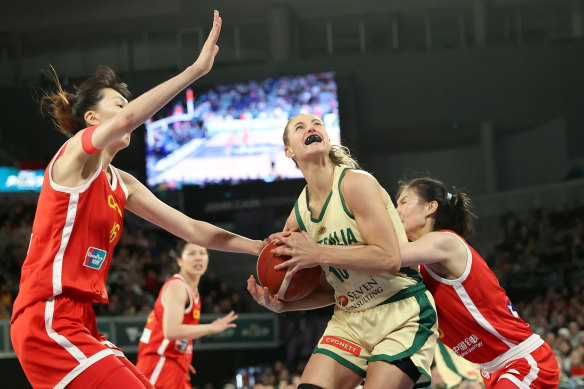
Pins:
x: 194, y: 72
x: 280, y: 307
x: 320, y: 254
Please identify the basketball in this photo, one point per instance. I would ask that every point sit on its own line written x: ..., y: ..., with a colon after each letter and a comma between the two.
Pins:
x: 301, y: 284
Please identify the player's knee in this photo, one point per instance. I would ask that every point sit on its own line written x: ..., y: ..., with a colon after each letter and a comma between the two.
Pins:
x: 309, y: 386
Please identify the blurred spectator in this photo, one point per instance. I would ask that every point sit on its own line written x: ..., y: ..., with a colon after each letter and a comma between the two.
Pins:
x: 577, y: 363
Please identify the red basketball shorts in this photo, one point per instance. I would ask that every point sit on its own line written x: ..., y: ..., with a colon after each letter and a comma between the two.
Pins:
x: 538, y: 370
x: 56, y: 340
x: 163, y: 372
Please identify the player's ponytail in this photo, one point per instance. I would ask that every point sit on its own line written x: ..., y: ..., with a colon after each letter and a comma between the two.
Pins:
x: 454, y: 207
x: 68, y: 109
x: 59, y: 105
x: 341, y: 155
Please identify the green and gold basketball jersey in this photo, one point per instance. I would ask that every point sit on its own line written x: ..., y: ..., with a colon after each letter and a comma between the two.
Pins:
x: 354, y: 291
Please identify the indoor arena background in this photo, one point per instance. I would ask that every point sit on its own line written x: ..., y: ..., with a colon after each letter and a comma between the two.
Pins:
x: 486, y: 95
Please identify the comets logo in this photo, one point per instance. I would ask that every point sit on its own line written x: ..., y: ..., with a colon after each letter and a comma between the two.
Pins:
x: 343, y: 301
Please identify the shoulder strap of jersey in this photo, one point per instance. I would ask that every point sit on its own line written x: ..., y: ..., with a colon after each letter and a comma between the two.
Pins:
x: 299, y: 206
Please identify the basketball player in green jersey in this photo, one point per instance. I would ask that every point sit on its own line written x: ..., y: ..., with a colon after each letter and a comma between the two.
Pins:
x: 384, y: 323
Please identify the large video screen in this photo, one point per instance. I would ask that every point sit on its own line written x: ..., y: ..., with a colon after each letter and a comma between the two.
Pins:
x: 229, y: 134
x: 16, y: 180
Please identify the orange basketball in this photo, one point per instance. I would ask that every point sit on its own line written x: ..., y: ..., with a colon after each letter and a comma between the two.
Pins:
x: 301, y: 284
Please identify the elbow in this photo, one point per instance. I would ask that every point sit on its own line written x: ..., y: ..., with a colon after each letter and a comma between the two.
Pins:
x: 394, y: 263
x: 389, y: 260
x: 127, y: 122
x: 193, y: 234
x: 394, y: 267
x: 169, y: 333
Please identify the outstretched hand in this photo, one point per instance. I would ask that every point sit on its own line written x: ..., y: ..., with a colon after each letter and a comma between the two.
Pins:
x: 223, y: 323
x: 263, y: 296
x: 204, y: 62
x: 302, y: 250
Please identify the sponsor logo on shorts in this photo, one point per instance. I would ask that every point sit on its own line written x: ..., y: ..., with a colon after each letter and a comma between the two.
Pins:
x: 485, y: 374
x: 342, y: 344
x: 467, y: 345
x: 94, y: 258
x: 343, y: 301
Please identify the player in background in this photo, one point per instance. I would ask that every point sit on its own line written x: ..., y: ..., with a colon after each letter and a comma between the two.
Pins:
x: 78, y: 222
x: 384, y: 323
x: 476, y: 318
x: 166, y: 346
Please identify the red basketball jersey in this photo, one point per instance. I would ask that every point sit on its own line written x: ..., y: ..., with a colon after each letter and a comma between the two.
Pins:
x: 153, y: 342
x: 476, y: 318
x: 73, y: 237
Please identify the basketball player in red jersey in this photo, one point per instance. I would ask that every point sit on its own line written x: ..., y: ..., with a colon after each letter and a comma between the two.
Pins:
x: 166, y: 346
x: 476, y: 318
x: 78, y: 222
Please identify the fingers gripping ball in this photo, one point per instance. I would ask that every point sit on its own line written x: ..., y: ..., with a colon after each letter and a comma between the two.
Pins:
x: 300, y: 285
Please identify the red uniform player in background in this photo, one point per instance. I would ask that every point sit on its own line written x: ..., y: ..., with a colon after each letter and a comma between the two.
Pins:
x: 166, y: 346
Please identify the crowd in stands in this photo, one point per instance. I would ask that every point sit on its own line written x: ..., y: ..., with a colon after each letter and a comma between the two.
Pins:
x: 279, y: 97
x: 538, y: 257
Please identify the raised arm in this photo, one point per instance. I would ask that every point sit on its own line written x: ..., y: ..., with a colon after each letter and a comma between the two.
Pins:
x: 175, y: 299
x: 367, y: 201
x: 142, y: 108
x: 77, y: 165
x: 144, y: 204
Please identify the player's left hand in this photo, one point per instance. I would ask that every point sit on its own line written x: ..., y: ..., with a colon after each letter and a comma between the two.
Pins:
x: 302, y: 250
x: 223, y: 323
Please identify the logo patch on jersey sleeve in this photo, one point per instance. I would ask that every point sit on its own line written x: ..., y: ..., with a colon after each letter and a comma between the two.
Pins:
x: 512, y: 310
x: 94, y: 258
x: 342, y: 344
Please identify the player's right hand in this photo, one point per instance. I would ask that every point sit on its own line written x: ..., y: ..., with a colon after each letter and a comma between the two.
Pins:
x: 263, y: 296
